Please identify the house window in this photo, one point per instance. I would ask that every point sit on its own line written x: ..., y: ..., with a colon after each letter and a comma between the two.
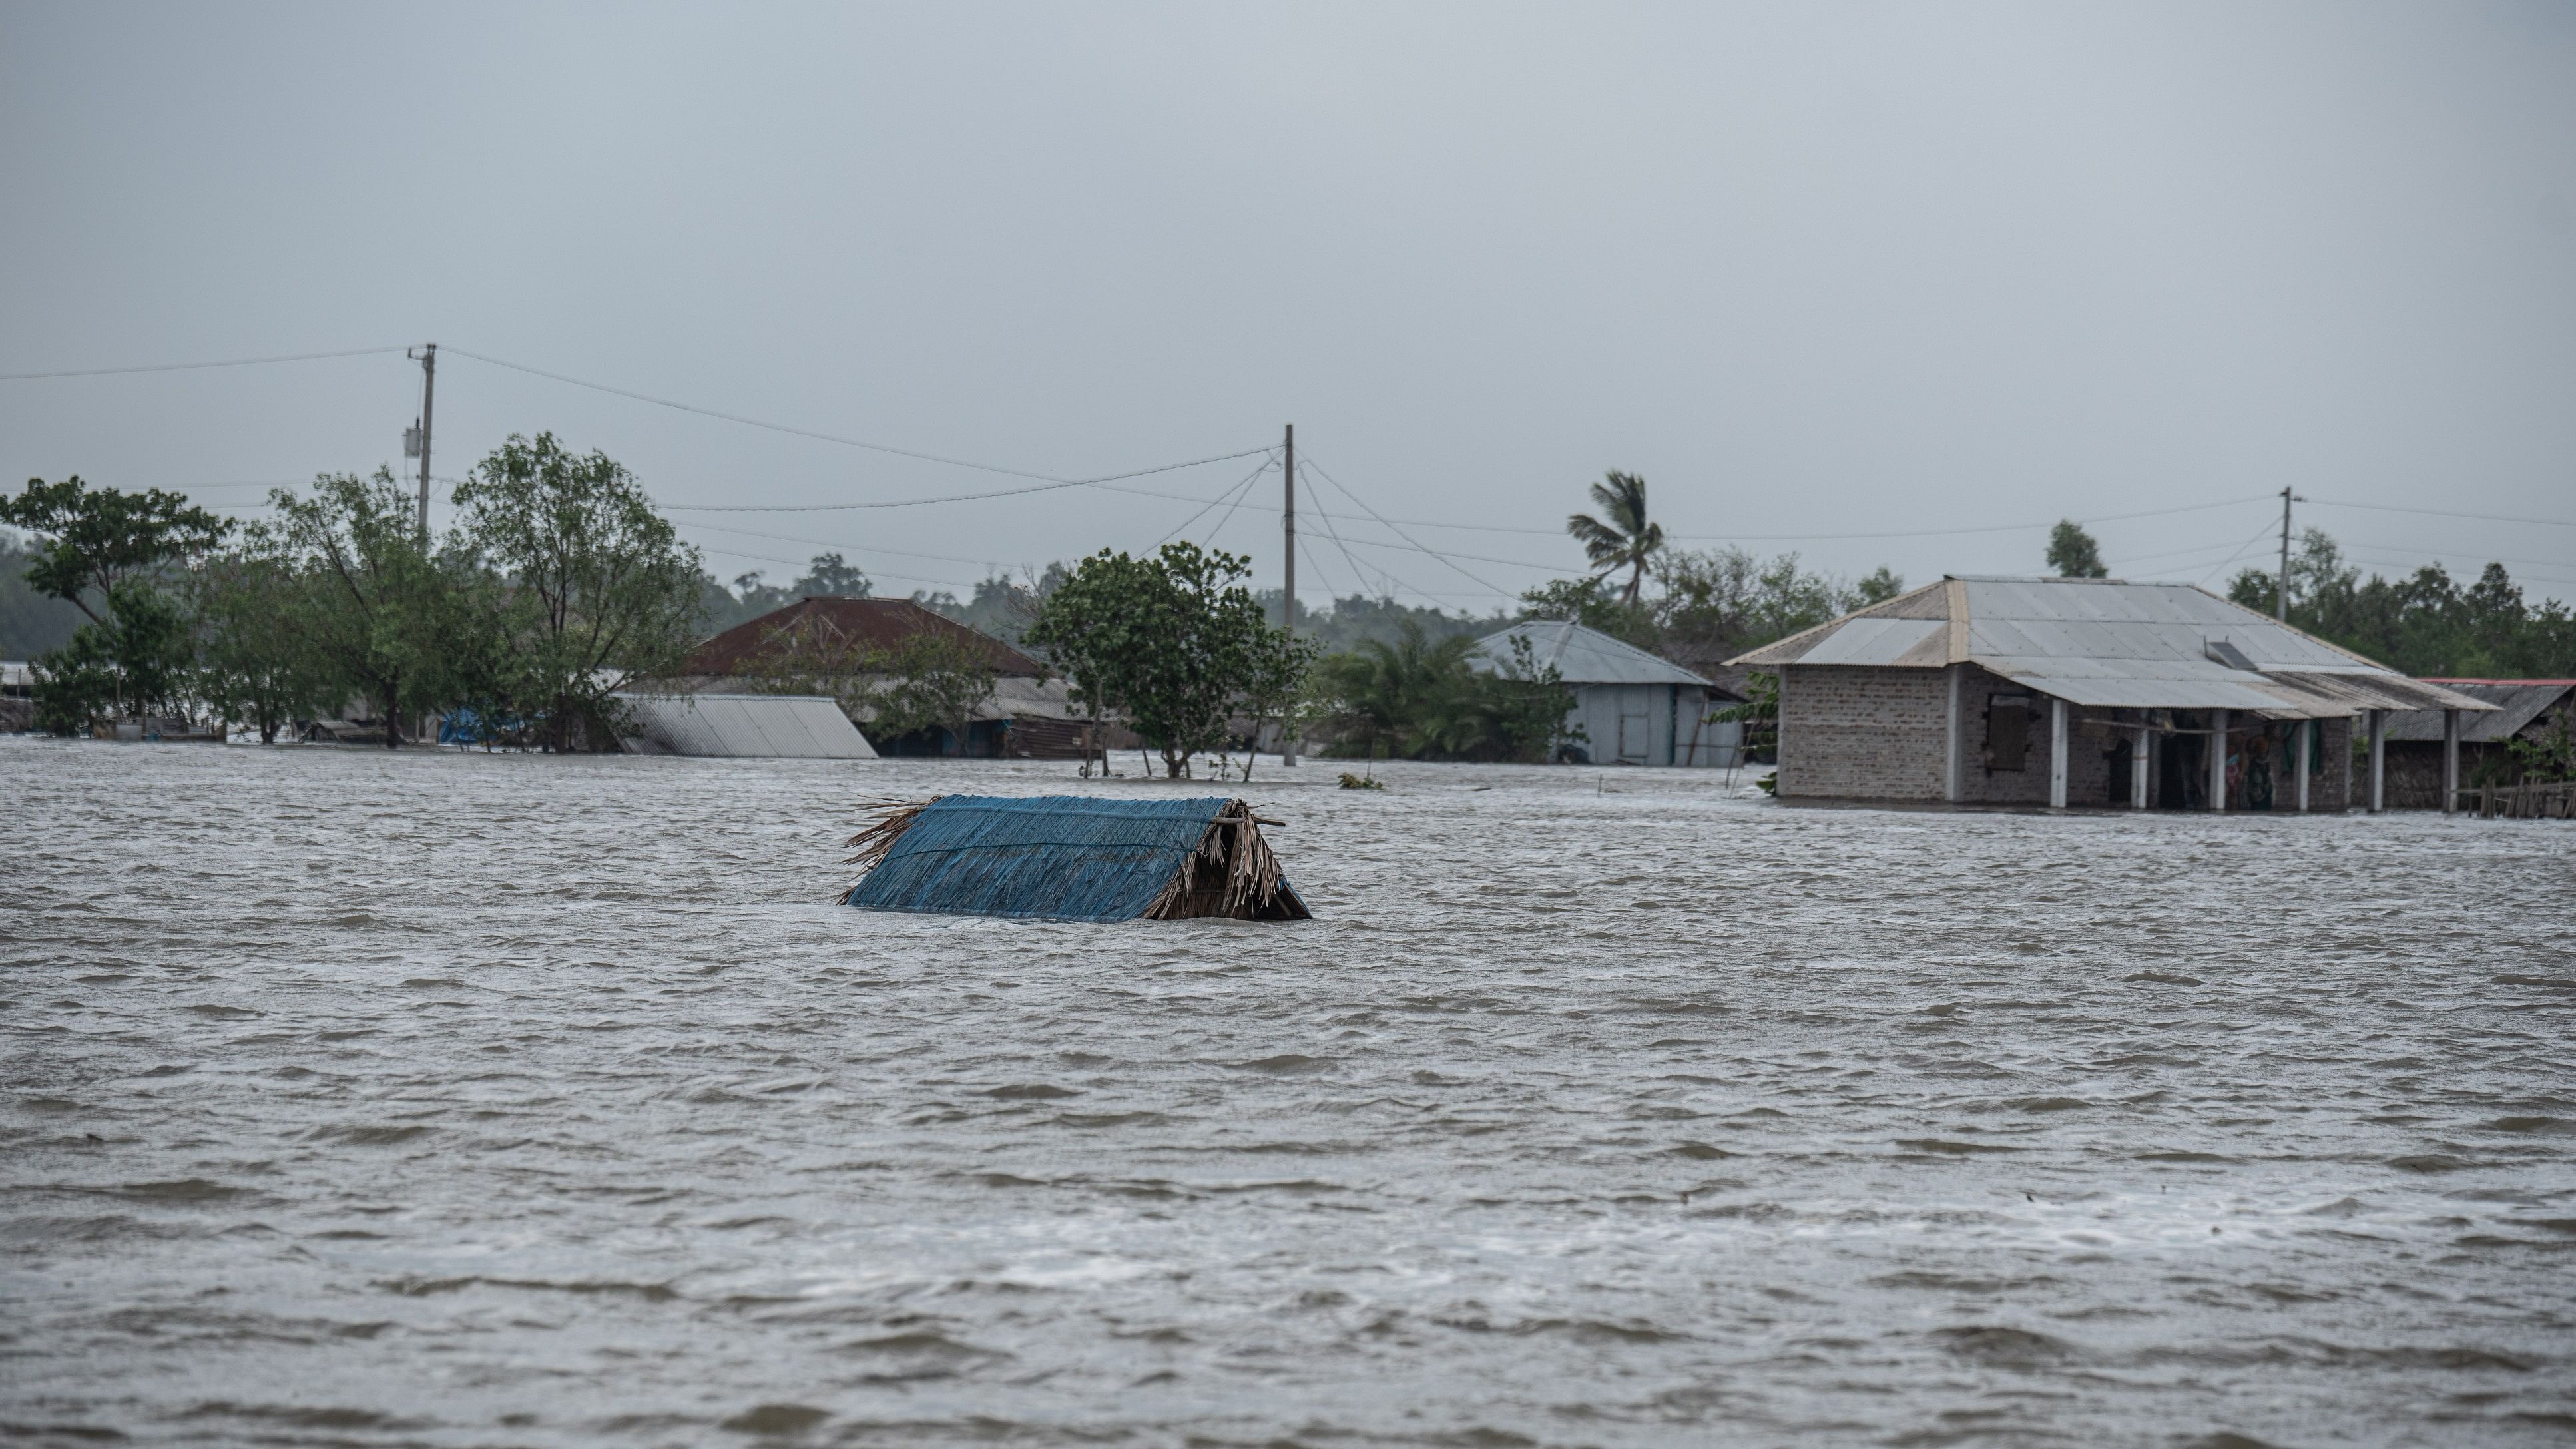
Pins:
x: 2007, y: 730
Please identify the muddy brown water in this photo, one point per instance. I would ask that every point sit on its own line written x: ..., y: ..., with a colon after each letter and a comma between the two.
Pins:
x: 356, y: 1098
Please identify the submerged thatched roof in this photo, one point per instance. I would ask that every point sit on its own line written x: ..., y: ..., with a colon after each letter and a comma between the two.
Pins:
x: 1066, y: 857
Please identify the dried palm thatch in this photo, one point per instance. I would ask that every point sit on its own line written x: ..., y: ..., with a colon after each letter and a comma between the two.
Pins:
x: 1071, y: 858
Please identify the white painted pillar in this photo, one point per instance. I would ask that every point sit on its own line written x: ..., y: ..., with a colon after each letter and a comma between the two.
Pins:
x: 2138, y: 771
x: 2378, y: 761
x: 2056, y: 754
x: 2450, y: 760
x: 2217, y: 761
x: 1952, y: 770
x: 2307, y: 741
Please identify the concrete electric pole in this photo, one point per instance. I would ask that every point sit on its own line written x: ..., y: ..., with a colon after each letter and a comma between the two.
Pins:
x: 427, y: 357
x: 2281, y: 590
x: 1288, y: 599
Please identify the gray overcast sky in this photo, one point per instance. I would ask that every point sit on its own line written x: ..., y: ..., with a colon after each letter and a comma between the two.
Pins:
x: 1812, y: 269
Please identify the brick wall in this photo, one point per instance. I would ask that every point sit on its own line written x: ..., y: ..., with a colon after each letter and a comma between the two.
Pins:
x: 1854, y: 732
x: 1861, y: 733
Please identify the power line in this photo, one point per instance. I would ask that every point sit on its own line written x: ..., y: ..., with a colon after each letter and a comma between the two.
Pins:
x: 822, y: 543
x: 1235, y: 492
x: 195, y: 366
x: 1317, y: 565
x: 846, y: 442
x: 2443, y: 513
x: 809, y: 563
x: 2260, y: 533
x: 2461, y: 553
x: 1806, y: 537
x: 1398, y: 532
x: 1359, y: 573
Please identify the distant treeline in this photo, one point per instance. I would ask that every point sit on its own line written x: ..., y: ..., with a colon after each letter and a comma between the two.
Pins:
x: 558, y: 580
x: 2424, y: 623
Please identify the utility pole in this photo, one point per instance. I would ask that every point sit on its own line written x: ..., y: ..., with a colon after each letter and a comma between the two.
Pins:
x: 2281, y: 590
x: 1288, y: 600
x: 427, y: 357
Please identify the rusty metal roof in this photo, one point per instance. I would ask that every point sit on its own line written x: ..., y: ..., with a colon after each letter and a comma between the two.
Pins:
x: 2517, y: 703
x: 2114, y: 644
x: 870, y: 623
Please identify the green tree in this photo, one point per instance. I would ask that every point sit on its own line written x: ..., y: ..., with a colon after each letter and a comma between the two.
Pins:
x: 2073, y: 553
x: 256, y: 663
x: 831, y: 576
x: 91, y: 540
x: 1876, y: 587
x: 106, y: 553
x: 1170, y: 641
x: 1623, y: 539
x: 1273, y: 689
x: 382, y: 615
x: 601, y: 588
x: 1590, y: 603
x: 2423, y: 623
x: 1522, y: 708
x: 1400, y: 699
x: 137, y: 662
x: 31, y: 621
x: 932, y: 679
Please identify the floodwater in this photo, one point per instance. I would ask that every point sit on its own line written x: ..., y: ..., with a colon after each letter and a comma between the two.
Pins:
x: 356, y: 1098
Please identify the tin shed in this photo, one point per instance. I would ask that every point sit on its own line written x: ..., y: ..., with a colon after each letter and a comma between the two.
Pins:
x: 1634, y: 708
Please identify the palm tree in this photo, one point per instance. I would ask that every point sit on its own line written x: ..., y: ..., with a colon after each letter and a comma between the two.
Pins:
x: 1627, y: 540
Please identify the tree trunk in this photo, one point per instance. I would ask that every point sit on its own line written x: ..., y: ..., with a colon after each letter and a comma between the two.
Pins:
x: 392, y: 707
x: 1171, y: 765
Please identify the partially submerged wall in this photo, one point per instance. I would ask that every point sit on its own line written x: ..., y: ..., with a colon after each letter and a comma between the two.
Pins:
x: 1859, y: 732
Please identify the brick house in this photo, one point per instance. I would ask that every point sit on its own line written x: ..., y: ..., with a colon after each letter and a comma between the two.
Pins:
x: 2019, y: 691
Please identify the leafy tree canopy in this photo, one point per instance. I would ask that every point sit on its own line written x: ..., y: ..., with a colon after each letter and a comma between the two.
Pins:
x: 1621, y: 538
x: 1172, y: 641
x: 600, y: 587
x: 2073, y: 552
x: 2424, y: 623
x: 93, y: 539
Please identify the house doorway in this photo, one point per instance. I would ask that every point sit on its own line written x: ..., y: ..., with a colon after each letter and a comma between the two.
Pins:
x: 2182, y: 780
x: 1632, y: 738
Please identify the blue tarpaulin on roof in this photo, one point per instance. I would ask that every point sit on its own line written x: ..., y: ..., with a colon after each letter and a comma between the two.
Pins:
x: 1059, y: 857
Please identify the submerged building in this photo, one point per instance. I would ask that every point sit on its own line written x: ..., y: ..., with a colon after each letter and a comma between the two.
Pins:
x: 2084, y: 692
x: 816, y: 639
x: 2532, y: 710
x: 1073, y: 858
x: 1631, y: 707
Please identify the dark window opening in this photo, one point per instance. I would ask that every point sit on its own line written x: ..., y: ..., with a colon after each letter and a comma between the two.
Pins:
x: 2007, y: 731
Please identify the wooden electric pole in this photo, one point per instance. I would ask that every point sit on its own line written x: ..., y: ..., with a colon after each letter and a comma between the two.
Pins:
x: 1288, y: 600
x: 428, y: 358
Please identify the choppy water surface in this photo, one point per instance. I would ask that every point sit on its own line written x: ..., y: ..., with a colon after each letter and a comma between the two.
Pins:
x: 354, y: 1098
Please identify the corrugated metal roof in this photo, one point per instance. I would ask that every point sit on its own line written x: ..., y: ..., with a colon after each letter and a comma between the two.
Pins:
x: 2516, y: 705
x: 1874, y: 641
x: 868, y: 623
x: 2118, y: 645
x: 1581, y: 655
x: 744, y: 726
